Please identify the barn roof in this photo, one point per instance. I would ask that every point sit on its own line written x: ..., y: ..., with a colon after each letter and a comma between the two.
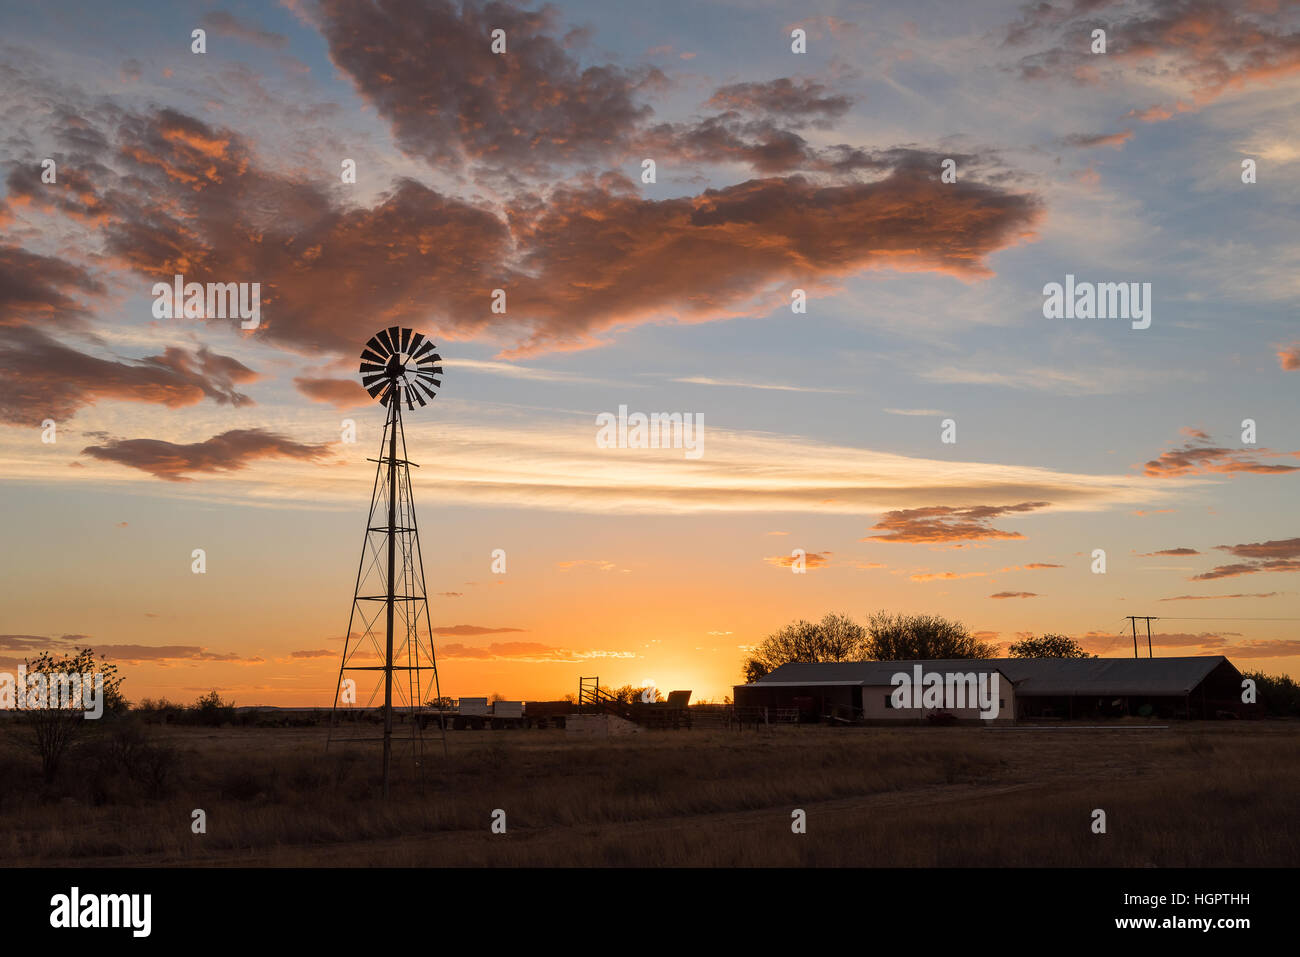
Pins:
x: 1031, y: 676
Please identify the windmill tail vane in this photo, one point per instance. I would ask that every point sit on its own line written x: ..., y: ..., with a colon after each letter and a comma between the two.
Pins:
x: 389, y: 640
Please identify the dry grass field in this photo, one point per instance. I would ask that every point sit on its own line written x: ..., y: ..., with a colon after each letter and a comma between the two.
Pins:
x: 1212, y: 794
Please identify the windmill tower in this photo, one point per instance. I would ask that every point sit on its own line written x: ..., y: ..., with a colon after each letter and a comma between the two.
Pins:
x: 388, y: 659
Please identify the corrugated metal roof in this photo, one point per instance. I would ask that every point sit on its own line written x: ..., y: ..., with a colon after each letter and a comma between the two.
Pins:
x: 1032, y: 676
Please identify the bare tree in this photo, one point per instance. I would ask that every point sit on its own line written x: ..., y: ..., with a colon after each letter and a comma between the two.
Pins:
x: 57, y: 721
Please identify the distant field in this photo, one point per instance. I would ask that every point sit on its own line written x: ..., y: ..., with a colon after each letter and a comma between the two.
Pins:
x: 1199, y: 794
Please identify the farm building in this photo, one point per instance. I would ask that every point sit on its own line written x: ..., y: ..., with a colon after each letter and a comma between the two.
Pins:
x: 1028, y: 688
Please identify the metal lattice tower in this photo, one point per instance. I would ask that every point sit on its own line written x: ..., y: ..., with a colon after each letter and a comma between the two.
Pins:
x: 392, y: 649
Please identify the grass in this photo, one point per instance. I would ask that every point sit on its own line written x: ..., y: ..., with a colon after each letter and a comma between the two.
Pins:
x: 1199, y: 794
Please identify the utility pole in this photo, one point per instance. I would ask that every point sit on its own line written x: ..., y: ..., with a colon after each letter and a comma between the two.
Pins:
x: 1133, y: 619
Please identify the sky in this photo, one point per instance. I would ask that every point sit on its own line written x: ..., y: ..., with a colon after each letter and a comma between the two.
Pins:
x: 912, y: 422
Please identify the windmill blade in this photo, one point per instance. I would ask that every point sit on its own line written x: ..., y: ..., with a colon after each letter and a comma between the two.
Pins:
x: 430, y: 373
x: 373, y: 381
x: 417, y: 339
x: 370, y: 355
x: 409, y: 404
x: 377, y: 344
x: 406, y: 341
x: 375, y: 389
x: 429, y: 390
x: 412, y: 391
x: 370, y: 368
x: 383, y: 336
x: 423, y: 349
x: 395, y: 336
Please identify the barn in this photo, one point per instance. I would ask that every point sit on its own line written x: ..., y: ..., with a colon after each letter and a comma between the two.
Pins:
x: 1027, y: 689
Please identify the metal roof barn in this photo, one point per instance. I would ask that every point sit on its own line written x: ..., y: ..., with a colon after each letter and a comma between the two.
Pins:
x: 1206, y: 686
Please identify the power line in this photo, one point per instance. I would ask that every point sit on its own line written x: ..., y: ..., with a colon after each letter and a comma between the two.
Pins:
x: 1184, y: 618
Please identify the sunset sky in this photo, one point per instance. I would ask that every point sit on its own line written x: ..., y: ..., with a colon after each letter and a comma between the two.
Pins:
x: 522, y: 171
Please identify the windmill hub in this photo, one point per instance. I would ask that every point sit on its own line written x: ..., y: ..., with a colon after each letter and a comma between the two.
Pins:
x: 399, y: 364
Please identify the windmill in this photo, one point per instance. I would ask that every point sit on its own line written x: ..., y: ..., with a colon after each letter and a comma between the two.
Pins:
x: 393, y: 645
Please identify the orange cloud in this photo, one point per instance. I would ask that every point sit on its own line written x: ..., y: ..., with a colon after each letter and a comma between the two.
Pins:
x: 945, y: 523
x: 1200, y: 459
x: 227, y: 452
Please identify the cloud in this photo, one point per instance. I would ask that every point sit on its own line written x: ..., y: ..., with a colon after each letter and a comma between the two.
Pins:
x: 1199, y: 49
x: 226, y: 24
x: 945, y: 576
x: 1090, y: 140
x: 42, y: 291
x: 138, y: 654
x: 1272, y: 648
x: 470, y: 631
x: 41, y: 377
x: 733, y: 251
x: 458, y: 101
x: 797, y: 102
x: 705, y: 380
x: 1195, y: 458
x: 315, y: 653
x: 186, y: 197
x: 1289, y: 357
x: 1281, y: 555
x: 39, y: 643
x: 944, y: 523
x: 913, y: 411
x: 523, y: 651
x: 340, y: 393
x: 227, y: 452
x: 599, y: 563
x: 1185, y: 639
x: 810, y: 560
x: 1266, y: 594
x: 1280, y: 548
x: 1171, y: 551
x: 1014, y: 594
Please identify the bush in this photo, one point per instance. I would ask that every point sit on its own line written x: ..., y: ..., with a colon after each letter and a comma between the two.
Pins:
x: 211, y: 712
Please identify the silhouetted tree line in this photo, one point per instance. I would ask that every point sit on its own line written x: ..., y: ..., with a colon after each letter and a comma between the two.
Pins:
x: 889, y: 637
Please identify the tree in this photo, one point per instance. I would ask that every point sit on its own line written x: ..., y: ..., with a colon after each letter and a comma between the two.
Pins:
x: 57, y: 722
x: 834, y: 638
x: 211, y: 711
x: 1279, y: 695
x: 1048, y: 646
x: 901, y: 637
